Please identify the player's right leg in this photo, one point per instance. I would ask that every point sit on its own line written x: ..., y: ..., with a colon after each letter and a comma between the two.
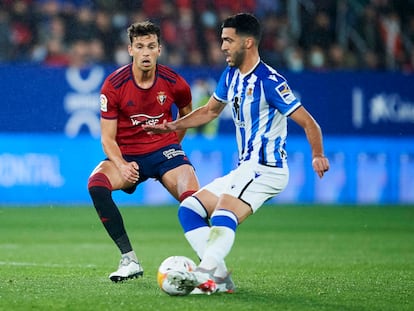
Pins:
x: 103, y: 180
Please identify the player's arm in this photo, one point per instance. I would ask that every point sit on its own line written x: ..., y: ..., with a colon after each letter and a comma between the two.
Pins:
x: 200, y: 116
x: 129, y: 170
x: 313, y: 132
x: 181, y: 113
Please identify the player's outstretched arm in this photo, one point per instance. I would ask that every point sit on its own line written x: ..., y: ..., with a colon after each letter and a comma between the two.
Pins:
x: 181, y: 113
x: 200, y: 116
x: 313, y: 132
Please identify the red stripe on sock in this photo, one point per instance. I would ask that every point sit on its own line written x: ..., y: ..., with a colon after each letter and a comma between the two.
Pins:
x: 99, y: 180
x: 186, y: 194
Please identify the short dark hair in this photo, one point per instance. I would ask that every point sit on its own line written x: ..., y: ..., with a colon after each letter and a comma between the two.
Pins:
x: 245, y: 24
x: 140, y: 29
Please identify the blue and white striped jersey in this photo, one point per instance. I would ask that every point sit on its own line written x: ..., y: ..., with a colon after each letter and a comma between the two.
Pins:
x: 260, y: 100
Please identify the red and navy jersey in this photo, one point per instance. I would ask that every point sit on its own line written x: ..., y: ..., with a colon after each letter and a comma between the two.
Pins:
x: 122, y: 99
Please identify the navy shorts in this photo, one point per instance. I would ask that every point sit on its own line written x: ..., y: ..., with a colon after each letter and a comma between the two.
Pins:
x: 157, y: 163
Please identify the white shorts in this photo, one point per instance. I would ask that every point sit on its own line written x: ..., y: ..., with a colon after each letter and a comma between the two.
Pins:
x: 252, y: 183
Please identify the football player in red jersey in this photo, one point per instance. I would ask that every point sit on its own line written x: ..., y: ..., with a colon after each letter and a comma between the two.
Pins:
x: 142, y: 92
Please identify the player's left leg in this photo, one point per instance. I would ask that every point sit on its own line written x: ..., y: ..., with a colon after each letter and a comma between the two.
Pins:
x: 224, y: 222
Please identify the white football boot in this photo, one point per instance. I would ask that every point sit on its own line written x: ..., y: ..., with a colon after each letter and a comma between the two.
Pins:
x: 223, y: 285
x: 193, y: 279
x: 128, y: 269
x: 202, y: 281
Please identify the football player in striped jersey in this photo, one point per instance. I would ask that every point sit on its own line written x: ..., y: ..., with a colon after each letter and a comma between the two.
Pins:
x: 261, y: 101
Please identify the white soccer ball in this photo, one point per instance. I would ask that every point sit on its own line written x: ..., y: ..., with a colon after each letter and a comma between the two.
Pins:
x: 176, y: 263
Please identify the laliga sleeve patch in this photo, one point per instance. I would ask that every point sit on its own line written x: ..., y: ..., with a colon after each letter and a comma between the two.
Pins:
x: 104, y: 103
x: 286, y: 93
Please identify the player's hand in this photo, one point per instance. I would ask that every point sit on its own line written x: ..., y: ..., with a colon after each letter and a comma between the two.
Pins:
x: 165, y: 127
x: 320, y: 165
x: 130, y: 171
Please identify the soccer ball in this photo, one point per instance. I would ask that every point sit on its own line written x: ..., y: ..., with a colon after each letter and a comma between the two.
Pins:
x: 176, y: 263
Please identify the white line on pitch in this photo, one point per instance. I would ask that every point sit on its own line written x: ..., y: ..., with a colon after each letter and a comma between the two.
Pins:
x: 52, y: 265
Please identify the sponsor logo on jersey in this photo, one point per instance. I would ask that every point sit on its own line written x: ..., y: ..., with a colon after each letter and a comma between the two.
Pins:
x: 161, y: 98
x: 286, y: 93
x: 139, y: 119
x: 104, y: 103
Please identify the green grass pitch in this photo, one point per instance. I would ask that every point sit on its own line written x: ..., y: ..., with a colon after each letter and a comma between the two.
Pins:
x: 284, y: 258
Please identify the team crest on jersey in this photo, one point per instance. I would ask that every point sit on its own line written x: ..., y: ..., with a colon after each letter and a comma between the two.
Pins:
x: 161, y: 98
x: 286, y: 93
x: 249, y: 92
x: 104, y: 103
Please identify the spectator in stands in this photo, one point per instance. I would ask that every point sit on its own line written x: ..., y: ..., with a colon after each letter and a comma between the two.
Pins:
x: 79, y: 54
x: 294, y: 59
x: 371, y: 60
x: 275, y: 39
x: 106, y: 34
x: 319, y: 32
x: 56, y: 54
x: 391, y: 36
x: 22, y: 29
x: 51, y: 40
x: 82, y: 25
x: 366, y: 27
x: 339, y: 59
x: 316, y: 58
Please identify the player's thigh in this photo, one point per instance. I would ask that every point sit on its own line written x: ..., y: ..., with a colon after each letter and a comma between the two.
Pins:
x: 180, y: 179
x: 109, y: 169
x: 265, y: 183
x: 246, y: 188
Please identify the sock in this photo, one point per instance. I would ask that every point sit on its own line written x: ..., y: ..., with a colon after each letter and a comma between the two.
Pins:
x: 221, y: 240
x: 197, y: 239
x: 131, y: 255
x: 100, y: 191
x: 221, y: 270
x: 186, y: 194
x: 193, y: 220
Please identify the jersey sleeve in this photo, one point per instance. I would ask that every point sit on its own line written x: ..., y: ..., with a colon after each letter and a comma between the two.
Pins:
x: 182, y: 93
x: 222, y: 86
x: 280, y: 95
x: 108, y: 101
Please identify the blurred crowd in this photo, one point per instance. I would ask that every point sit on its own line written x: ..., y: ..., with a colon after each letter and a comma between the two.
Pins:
x: 298, y: 34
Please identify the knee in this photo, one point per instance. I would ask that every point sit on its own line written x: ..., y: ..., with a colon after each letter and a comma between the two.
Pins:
x: 191, y: 203
x: 192, y: 215
x: 99, y: 180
